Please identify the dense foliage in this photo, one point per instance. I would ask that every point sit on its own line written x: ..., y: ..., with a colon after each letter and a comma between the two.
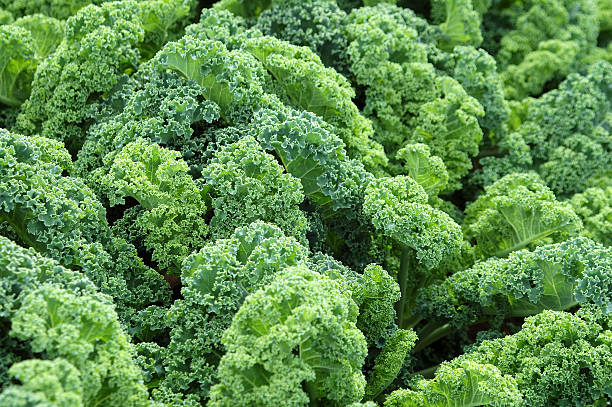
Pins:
x: 305, y: 203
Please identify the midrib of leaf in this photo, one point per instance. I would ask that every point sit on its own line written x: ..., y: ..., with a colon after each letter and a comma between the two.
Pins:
x: 550, y: 278
x: 526, y: 240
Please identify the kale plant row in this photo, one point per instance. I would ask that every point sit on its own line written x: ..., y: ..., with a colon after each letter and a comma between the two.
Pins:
x: 344, y: 203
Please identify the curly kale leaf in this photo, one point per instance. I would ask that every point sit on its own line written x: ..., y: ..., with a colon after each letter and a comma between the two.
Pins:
x: 594, y: 207
x: 63, y: 319
x: 175, y: 204
x: 461, y: 384
x: 61, y: 218
x: 515, y: 212
x: 216, y: 280
x: 552, y: 277
x: 398, y: 208
x: 247, y: 184
x: 293, y: 342
x: 556, y: 358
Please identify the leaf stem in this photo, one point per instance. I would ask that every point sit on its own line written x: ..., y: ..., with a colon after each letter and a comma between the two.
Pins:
x: 432, y: 335
x: 406, y: 295
x: 428, y: 373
